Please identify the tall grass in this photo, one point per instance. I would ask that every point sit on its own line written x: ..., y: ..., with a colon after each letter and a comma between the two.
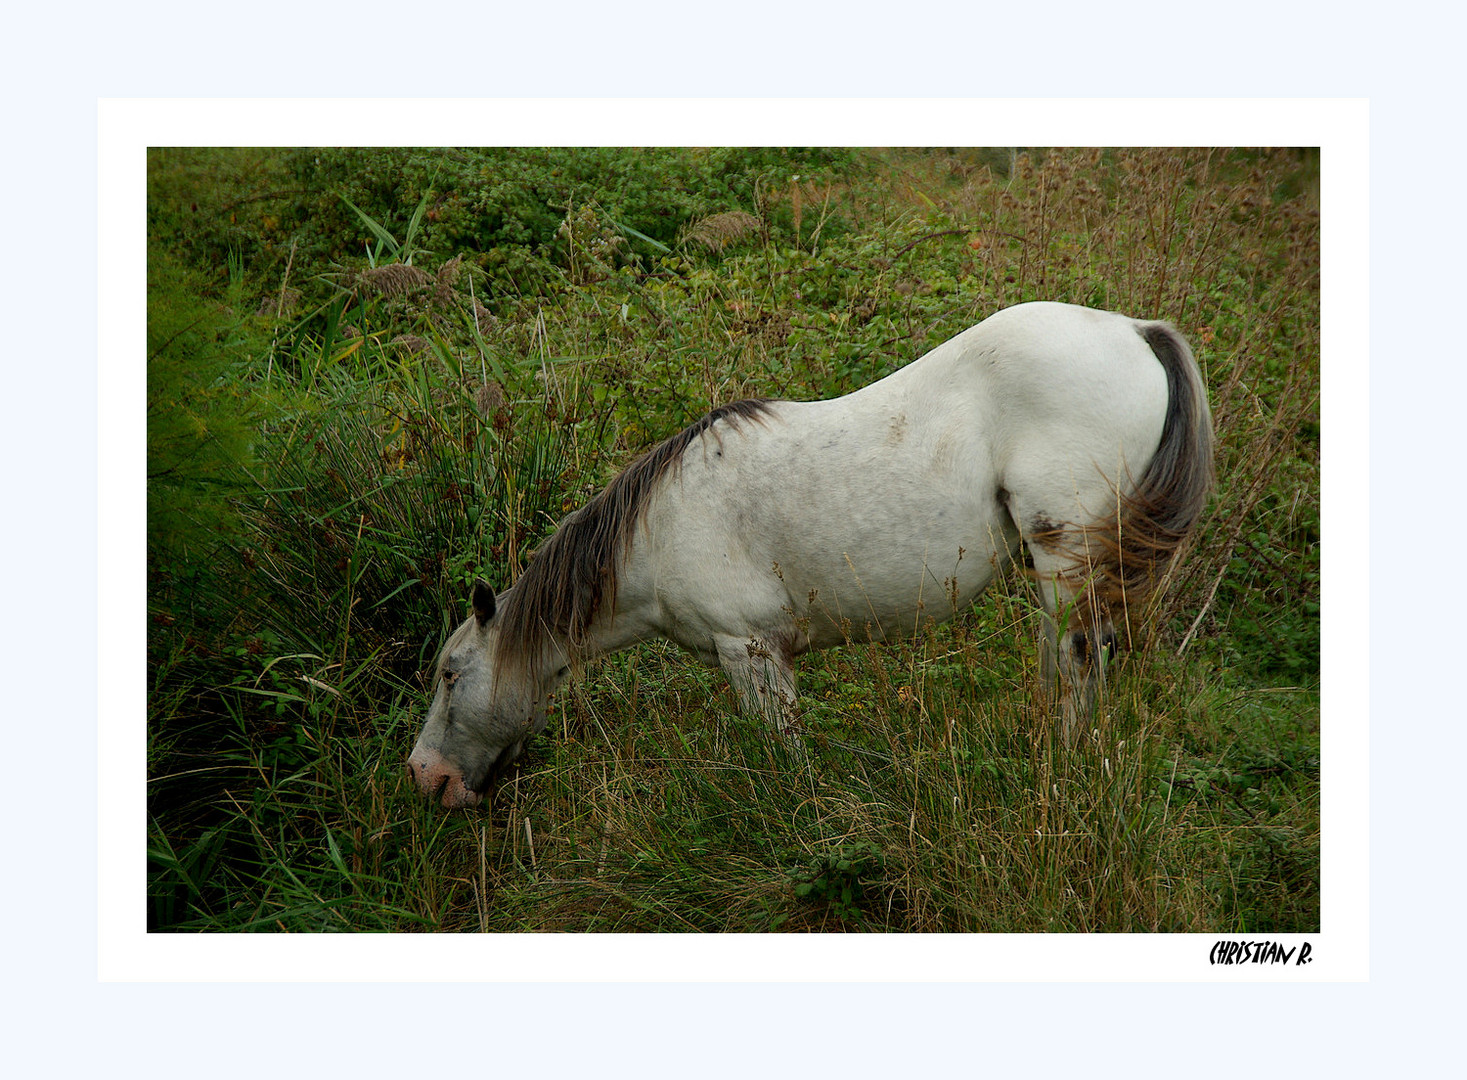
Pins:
x: 418, y: 438
x: 276, y: 738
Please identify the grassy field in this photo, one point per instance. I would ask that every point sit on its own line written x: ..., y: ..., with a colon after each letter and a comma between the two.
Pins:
x: 374, y: 375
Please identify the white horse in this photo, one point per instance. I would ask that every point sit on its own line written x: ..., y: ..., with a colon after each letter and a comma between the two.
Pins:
x: 769, y: 528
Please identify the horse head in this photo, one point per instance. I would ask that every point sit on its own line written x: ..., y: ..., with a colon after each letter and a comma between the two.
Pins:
x: 483, y: 709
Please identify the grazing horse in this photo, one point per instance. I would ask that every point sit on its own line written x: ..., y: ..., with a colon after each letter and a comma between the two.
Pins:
x: 769, y: 528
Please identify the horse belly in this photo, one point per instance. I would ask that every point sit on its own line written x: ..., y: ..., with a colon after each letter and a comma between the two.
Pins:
x: 872, y: 544
x: 875, y: 582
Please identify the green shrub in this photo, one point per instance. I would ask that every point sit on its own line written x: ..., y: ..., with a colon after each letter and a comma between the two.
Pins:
x: 505, y: 207
x: 202, y: 417
x: 840, y: 879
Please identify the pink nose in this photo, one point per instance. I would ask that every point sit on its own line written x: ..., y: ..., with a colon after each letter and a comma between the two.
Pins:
x: 439, y: 780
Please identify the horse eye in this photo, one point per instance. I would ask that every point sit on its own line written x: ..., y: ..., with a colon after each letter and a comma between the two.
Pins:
x: 450, y: 677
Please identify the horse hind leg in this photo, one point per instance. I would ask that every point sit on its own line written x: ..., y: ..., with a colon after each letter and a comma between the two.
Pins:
x: 1078, y: 638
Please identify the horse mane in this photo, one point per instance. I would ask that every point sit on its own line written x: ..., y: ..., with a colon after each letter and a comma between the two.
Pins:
x: 573, y: 574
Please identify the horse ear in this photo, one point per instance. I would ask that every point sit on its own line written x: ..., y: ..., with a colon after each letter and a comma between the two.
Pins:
x: 483, y: 601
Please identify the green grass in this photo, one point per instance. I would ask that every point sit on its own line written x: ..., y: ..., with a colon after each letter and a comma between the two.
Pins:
x: 404, y: 439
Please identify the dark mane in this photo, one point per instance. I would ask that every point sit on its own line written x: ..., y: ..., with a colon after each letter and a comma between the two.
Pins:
x: 574, y: 572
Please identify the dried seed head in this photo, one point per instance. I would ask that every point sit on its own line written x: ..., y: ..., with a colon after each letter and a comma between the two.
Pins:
x: 489, y: 398
x: 396, y: 279
x: 720, y: 230
x: 447, y: 277
x: 448, y: 272
x: 282, y: 302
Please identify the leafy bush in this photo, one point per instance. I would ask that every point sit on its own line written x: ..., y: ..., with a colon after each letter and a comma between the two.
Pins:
x: 506, y: 208
x: 202, y: 417
x: 840, y: 879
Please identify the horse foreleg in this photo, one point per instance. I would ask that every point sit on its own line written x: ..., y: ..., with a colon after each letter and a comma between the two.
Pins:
x: 761, y: 670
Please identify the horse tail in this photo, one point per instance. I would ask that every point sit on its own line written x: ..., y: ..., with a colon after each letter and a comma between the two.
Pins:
x: 1128, y: 552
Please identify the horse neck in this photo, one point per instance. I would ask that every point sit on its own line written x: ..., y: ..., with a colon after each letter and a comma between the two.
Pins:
x: 632, y: 618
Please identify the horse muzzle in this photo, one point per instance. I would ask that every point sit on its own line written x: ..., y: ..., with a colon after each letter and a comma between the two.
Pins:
x: 446, y: 784
x: 442, y: 782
